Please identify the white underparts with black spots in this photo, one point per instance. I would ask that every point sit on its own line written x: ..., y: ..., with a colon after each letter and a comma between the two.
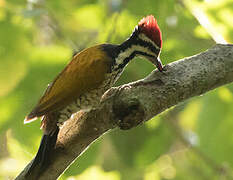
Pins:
x: 87, y: 101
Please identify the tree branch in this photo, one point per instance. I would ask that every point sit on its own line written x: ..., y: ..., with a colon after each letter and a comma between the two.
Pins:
x: 129, y: 105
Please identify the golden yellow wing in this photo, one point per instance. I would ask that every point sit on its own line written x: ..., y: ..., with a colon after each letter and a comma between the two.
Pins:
x: 85, y: 72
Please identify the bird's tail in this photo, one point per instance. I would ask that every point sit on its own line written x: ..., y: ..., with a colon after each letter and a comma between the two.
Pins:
x: 42, y: 158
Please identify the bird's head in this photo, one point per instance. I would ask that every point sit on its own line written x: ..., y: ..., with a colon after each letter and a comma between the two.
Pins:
x: 148, y: 35
x: 145, y: 41
x: 148, y: 30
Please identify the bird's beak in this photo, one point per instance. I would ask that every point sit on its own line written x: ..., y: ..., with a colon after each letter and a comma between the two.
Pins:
x: 157, y: 62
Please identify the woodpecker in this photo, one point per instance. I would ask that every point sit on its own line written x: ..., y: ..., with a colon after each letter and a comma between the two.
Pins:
x: 84, y: 80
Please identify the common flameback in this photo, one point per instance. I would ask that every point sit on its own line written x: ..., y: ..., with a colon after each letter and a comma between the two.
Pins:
x: 84, y: 80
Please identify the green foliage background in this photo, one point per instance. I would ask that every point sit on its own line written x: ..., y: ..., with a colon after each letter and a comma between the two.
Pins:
x: 193, y: 140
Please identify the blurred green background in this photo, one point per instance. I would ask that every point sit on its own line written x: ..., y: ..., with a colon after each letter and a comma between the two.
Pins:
x: 191, y: 141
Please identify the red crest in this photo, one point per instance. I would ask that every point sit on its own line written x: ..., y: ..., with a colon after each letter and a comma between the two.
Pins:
x: 148, y: 25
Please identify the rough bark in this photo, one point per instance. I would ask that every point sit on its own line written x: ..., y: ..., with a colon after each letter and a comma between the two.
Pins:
x: 132, y: 104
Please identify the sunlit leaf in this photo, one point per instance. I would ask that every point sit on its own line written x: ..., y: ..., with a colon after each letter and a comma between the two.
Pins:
x: 225, y: 94
x: 189, y: 115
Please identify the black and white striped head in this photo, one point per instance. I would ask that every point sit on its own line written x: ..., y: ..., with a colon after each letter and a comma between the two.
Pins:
x: 148, y: 27
x: 145, y: 41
